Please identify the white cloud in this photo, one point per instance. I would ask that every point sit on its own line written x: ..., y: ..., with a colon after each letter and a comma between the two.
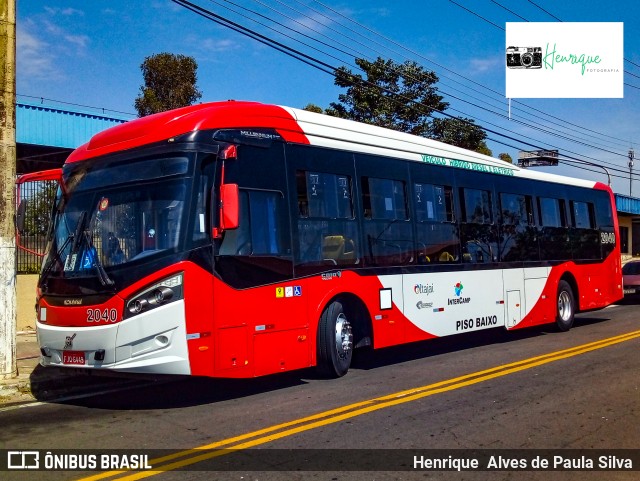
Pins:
x: 69, y: 43
x: 211, y: 45
x: 67, y: 12
x: 34, y: 59
x: 481, y: 65
x: 79, y: 41
x: 315, y: 22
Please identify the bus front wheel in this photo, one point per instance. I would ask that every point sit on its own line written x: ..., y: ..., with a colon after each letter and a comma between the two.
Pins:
x: 335, y: 341
x: 566, y: 306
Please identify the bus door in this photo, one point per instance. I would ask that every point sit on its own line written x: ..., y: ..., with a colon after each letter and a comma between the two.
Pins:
x: 388, y: 244
x: 260, y: 311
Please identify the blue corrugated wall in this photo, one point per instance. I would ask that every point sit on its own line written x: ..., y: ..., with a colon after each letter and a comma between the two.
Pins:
x: 627, y: 205
x: 56, y: 127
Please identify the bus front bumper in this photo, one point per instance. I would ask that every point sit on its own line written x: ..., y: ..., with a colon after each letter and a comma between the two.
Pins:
x: 153, y: 342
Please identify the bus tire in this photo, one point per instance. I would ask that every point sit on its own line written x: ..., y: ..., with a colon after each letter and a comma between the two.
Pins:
x: 335, y: 341
x: 566, y: 306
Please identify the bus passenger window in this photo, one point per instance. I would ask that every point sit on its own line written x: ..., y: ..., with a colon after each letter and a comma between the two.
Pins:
x: 478, y: 234
x: 433, y: 203
x: 583, y: 216
x: 551, y: 212
x: 518, y: 239
x: 477, y: 206
x: 389, y: 238
x: 384, y: 199
x: 437, y: 239
x: 327, y: 230
x: 516, y: 209
x: 324, y: 195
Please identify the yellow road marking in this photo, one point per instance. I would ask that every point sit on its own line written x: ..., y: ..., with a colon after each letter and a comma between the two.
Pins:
x: 272, y: 433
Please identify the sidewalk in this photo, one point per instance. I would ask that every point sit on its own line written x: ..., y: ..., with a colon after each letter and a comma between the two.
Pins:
x: 19, y: 389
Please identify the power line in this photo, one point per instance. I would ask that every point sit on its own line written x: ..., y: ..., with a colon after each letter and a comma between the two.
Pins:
x: 483, y: 86
x: 477, y: 15
x: 553, y: 133
x: 516, y: 108
x: 510, y: 11
x: 104, y: 110
x: 545, y: 11
x: 445, y: 114
x: 316, y: 63
x: 535, y: 127
x: 204, y: 13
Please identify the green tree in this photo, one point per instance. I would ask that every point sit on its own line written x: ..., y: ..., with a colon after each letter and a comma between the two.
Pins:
x: 506, y: 157
x: 401, y: 97
x: 396, y: 96
x: 169, y: 83
x: 313, y: 108
x: 483, y: 148
x: 461, y: 132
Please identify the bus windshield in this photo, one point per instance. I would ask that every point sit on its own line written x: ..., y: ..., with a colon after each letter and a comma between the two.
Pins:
x: 115, y: 215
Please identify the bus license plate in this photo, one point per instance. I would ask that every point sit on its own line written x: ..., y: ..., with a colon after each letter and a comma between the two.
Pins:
x: 75, y: 358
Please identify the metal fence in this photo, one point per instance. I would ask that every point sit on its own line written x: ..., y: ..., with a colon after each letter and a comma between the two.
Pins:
x: 39, y: 197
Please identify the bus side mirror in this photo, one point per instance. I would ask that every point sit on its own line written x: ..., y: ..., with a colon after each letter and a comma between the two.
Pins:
x: 229, y: 206
x: 21, y: 216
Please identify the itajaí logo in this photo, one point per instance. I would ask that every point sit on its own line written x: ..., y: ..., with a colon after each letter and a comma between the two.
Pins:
x: 458, y: 299
x: 423, y: 288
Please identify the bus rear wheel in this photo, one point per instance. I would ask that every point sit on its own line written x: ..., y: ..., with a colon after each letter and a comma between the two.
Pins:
x: 335, y: 341
x: 566, y: 306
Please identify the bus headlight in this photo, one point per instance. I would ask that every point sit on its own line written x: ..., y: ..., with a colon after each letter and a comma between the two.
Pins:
x: 163, y: 292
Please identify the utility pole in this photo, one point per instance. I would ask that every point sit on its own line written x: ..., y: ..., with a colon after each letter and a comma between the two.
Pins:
x: 8, y: 366
x: 631, y: 156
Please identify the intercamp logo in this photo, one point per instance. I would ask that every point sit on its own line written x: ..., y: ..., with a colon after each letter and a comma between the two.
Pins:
x: 458, y: 299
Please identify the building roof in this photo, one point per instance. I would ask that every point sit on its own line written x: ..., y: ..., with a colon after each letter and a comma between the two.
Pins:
x: 627, y: 205
x: 39, y: 124
x: 47, y: 133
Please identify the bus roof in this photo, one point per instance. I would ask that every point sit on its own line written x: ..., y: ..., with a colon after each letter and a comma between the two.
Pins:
x: 299, y: 126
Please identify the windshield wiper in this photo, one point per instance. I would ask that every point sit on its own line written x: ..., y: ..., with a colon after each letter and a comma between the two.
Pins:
x: 52, y: 260
x: 81, y: 234
x: 80, y: 237
x: 103, y: 277
x: 74, y: 249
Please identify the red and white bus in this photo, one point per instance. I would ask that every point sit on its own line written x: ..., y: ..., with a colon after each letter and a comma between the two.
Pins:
x: 237, y: 239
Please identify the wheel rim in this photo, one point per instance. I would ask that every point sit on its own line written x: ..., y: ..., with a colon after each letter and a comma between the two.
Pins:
x: 344, y: 336
x: 565, y: 309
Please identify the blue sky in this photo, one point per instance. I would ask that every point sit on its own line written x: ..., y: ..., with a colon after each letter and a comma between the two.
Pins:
x: 89, y: 53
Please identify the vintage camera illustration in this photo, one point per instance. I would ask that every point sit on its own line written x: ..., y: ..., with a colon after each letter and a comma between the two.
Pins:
x: 524, y: 57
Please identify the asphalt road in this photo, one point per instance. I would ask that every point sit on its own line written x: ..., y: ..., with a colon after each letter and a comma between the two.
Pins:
x: 517, y: 395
